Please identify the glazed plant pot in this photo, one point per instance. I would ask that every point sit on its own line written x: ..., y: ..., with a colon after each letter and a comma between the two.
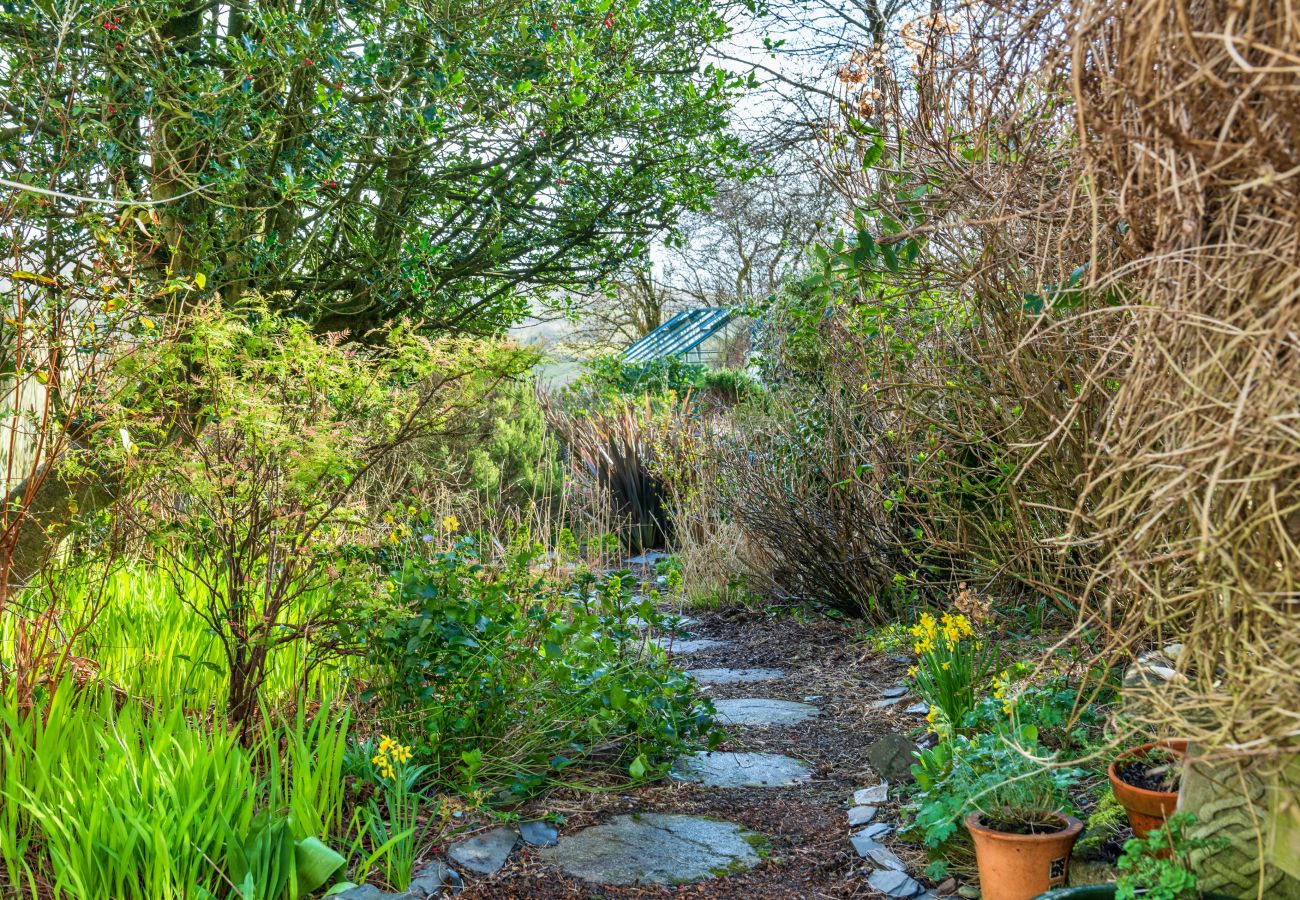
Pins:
x: 1022, y: 866
x: 1147, y: 810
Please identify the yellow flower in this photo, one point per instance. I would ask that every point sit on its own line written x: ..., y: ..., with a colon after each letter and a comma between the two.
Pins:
x: 388, y: 517
x: 451, y: 523
x: 946, y: 665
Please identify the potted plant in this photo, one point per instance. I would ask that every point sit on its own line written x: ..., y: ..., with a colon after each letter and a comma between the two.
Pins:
x: 1145, y: 780
x: 1021, y: 831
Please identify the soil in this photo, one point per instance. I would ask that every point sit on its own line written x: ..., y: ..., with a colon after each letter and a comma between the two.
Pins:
x: 1046, y: 825
x: 1156, y: 770
x: 811, y: 856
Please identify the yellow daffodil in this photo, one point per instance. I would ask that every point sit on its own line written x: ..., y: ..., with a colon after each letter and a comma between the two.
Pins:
x: 451, y: 523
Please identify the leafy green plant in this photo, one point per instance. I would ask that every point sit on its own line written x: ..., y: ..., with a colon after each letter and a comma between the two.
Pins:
x: 268, y: 863
x: 1157, y: 866
x: 1006, y: 776
x: 494, y: 674
x: 175, y: 808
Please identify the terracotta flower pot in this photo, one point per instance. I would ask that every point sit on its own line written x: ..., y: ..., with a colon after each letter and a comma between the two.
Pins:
x: 1147, y: 810
x: 1022, y: 866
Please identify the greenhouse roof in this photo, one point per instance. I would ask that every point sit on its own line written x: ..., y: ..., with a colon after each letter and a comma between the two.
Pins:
x: 680, y: 334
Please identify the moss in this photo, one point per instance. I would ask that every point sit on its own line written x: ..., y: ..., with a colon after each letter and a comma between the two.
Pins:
x: 762, y: 846
x: 1103, y: 824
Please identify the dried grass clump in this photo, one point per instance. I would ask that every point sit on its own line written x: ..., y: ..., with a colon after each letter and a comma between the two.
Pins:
x: 1189, y: 127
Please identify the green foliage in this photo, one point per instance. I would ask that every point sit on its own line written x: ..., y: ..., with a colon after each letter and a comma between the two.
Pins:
x: 247, y: 446
x: 424, y: 160
x: 609, y: 380
x: 1156, y: 867
x: 175, y: 808
x: 1007, y: 776
x: 494, y: 674
x: 268, y: 863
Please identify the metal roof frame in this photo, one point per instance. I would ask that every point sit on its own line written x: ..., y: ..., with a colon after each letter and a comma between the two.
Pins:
x: 680, y: 334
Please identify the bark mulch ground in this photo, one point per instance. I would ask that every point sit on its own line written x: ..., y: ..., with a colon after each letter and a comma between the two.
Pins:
x: 811, y: 856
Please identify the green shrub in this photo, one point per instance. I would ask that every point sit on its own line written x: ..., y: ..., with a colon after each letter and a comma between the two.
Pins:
x: 609, y: 380
x: 491, y: 668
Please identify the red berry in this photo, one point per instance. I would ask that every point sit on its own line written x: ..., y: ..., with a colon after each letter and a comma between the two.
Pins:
x: 117, y: 46
x: 307, y: 61
x: 116, y: 19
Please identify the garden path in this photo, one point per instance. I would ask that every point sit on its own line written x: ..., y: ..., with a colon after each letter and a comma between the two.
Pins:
x: 786, y: 808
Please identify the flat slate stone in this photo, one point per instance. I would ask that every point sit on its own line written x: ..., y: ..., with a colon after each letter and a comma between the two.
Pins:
x: 886, y: 702
x: 875, y: 794
x: 655, y: 848
x: 739, y: 770
x: 861, y: 815
x: 885, y: 858
x: 894, y: 883
x: 917, y: 709
x: 484, y: 853
x: 761, y: 711
x: 691, y: 645
x: 892, y: 757
x: 430, y: 881
x: 539, y: 834
x: 864, y: 844
x: 648, y: 558
x: 734, y: 676
x: 892, y: 692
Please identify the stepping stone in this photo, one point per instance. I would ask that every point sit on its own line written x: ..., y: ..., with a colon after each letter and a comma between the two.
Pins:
x: 759, y: 711
x: 484, y: 853
x: 917, y: 709
x: 894, y: 692
x: 740, y: 770
x: 734, y: 676
x: 885, y: 858
x: 886, y: 703
x: 861, y: 815
x: 648, y: 558
x: 539, y: 834
x: 875, y: 794
x: 654, y: 848
x: 694, y: 645
x: 892, y: 757
x: 894, y: 883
